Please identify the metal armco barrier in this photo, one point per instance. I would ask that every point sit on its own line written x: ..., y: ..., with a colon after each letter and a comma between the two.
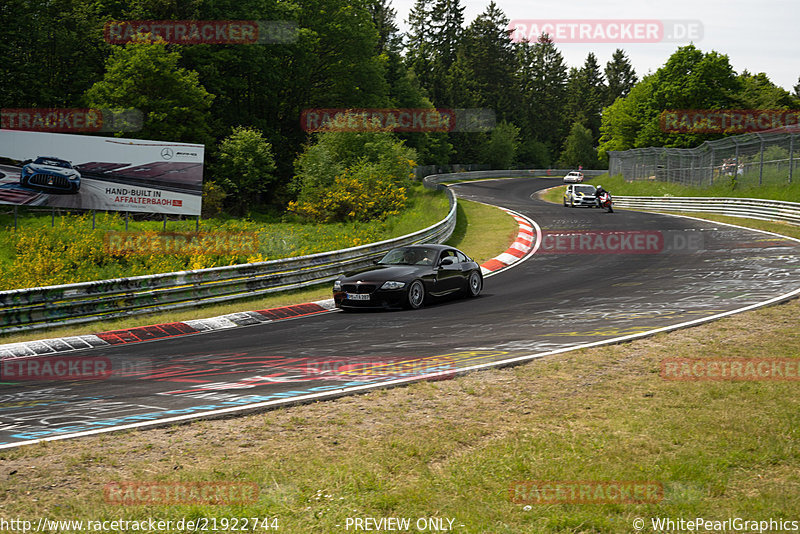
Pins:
x: 514, y: 173
x: 28, y: 309
x: 751, y: 208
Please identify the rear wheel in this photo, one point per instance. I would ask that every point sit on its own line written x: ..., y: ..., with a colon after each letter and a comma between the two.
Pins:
x: 474, y: 284
x: 415, y: 297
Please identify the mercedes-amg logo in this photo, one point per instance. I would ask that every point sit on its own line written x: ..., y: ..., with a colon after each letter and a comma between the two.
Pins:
x: 166, y: 153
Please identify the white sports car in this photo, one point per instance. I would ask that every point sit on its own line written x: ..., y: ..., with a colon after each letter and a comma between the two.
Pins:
x: 574, y: 177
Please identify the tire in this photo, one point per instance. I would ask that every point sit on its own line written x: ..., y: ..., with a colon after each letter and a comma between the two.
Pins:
x: 571, y: 203
x: 565, y: 202
x: 415, y: 298
x: 474, y: 284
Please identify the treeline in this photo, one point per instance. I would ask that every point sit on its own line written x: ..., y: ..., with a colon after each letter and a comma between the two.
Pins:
x: 244, y: 102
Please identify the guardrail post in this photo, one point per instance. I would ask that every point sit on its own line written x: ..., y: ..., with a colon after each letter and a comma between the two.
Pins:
x: 15, y: 217
x: 52, y: 217
x: 791, y: 157
x: 165, y: 222
x: 126, y: 221
x: 94, y: 225
x: 761, y: 164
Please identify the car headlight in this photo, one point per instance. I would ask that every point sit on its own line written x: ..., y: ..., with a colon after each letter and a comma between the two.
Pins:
x: 391, y: 284
x: 337, y: 285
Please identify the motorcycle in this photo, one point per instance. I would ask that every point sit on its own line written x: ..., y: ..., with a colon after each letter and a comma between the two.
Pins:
x: 604, y: 201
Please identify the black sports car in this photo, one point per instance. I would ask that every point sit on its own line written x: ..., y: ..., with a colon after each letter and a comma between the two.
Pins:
x: 408, y: 277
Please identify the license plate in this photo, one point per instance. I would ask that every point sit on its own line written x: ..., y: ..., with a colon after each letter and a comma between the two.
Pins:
x: 357, y: 296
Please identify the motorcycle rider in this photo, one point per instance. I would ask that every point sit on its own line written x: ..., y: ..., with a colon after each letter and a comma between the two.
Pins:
x: 597, y: 193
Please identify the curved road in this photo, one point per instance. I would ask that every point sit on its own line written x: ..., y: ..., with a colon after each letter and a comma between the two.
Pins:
x: 576, y: 289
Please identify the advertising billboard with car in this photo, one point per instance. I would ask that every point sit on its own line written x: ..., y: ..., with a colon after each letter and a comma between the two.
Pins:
x: 100, y: 173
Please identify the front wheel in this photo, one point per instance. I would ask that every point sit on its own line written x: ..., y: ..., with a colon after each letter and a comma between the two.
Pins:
x: 474, y: 284
x: 416, y: 295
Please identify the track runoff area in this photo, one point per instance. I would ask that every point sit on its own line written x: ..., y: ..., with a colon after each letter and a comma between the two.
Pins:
x: 590, y: 278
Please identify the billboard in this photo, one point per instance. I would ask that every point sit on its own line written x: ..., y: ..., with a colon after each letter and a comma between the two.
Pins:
x: 100, y: 173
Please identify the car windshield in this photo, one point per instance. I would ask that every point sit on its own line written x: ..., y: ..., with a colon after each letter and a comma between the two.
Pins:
x: 53, y: 162
x: 409, y: 256
x: 585, y: 189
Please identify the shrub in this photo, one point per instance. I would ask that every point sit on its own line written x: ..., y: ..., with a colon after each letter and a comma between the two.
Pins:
x: 360, y: 194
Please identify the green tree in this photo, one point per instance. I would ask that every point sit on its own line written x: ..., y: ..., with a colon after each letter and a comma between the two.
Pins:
x: 689, y: 79
x: 501, y: 150
x: 489, y: 60
x: 317, y: 167
x: 579, y: 148
x: 586, y: 95
x: 542, y: 79
x: 51, y: 51
x: 620, y: 77
x: 419, y: 44
x: 758, y: 92
x: 147, y: 77
x: 383, y: 16
x: 446, y: 26
x: 338, y: 175
x: 623, y: 120
x: 245, y: 168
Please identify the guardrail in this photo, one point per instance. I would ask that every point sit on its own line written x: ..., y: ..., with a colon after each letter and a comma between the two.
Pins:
x: 751, y: 208
x: 28, y: 309
x: 513, y: 173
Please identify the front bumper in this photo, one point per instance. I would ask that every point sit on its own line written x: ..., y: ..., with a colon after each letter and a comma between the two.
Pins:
x: 380, y: 298
x: 584, y: 201
x: 52, y: 182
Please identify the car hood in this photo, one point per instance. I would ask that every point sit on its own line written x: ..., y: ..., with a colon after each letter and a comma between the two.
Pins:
x: 380, y: 273
x: 51, y: 169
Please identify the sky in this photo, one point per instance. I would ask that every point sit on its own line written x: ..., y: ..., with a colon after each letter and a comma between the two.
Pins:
x: 759, y: 36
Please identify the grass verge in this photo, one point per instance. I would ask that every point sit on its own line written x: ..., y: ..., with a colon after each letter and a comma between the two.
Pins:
x: 481, y: 231
x: 38, y: 255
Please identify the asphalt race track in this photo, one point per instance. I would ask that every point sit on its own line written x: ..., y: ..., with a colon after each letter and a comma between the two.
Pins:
x: 577, y: 288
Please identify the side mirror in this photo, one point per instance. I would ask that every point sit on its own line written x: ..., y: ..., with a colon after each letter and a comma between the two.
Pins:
x: 449, y: 260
